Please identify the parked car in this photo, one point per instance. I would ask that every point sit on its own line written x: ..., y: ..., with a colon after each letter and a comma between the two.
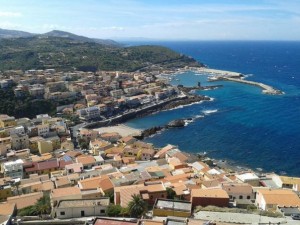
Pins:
x: 296, y: 216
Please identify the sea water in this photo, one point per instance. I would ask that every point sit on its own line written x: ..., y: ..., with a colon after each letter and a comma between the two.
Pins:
x: 241, y: 124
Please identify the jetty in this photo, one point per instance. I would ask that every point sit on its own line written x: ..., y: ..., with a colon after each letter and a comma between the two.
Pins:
x: 218, y: 75
x: 266, y: 88
x: 218, y: 72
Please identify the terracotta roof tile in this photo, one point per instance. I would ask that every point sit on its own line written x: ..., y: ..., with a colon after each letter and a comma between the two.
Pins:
x: 209, y: 193
x: 86, y: 160
x: 7, y: 208
x: 103, y: 221
x: 23, y: 201
x: 280, y: 197
x: 60, y: 192
x: 102, y: 182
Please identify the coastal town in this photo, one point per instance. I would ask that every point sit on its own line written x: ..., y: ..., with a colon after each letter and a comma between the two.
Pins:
x: 72, y: 166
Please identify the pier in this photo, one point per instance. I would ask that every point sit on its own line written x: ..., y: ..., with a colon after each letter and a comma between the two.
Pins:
x: 266, y: 88
x: 218, y: 72
x: 237, y: 77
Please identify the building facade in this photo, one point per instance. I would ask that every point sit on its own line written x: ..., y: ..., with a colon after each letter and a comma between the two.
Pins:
x: 81, y: 208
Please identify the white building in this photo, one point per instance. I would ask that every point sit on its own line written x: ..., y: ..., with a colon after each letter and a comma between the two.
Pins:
x: 89, y: 113
x: 13, y: 169
x: 17, y: 130
x: 43, y: 130
x: 250, y: 178
x: 81, y: 208
x: 19, y: 141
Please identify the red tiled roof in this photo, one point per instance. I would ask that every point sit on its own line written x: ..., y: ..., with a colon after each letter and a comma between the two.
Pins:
x: 102, y: 221
x: 44, y: 165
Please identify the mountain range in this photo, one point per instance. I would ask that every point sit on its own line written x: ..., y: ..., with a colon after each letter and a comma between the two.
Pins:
x: 7, y: 34
x: 67, y: 52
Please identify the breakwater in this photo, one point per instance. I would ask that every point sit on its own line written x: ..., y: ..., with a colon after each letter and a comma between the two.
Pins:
x: 266, y: 88
x: 238, y: 77
x: 217, y: 72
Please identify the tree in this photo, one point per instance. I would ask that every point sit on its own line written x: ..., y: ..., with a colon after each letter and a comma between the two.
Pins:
x: 42, y: 206
x: 113, y: 210
x: 137, y: 206
x: 170, y: 193
x: 111, y: 196
x: 83, y: 144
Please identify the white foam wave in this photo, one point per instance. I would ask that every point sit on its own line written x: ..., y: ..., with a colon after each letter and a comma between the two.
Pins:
x: 209, y: 111
x: 182, y: 106
x: 199, y: 116
x: 193, y: 119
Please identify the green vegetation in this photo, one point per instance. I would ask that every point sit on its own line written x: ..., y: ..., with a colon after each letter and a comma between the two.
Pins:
x: 67, y: 54
x: 73, y: 119
x: 116, y: 210
x: 25, y: 107
x: 43, y: 206
x: 83, y: 143
x: 170, y: 193
x: 111, y: 196
x: 137, y: 206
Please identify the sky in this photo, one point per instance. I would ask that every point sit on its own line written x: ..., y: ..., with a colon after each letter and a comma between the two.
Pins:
x: 157, y: 19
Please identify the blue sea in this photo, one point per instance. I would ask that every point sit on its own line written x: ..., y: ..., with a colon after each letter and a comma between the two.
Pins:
x: 241, y: 125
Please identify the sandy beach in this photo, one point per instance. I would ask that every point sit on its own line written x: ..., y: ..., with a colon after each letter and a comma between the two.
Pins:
x: 122, y: 129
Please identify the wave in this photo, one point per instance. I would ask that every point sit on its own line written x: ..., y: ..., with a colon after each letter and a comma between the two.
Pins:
x: 248, y: 75
x: 182, y: 106
x: 193, y: 119
x: 209, y: 111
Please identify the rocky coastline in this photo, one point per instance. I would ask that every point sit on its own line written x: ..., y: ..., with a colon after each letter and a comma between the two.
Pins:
x: 200, y: 88
x: 167, y: 105
x: 176, y: 103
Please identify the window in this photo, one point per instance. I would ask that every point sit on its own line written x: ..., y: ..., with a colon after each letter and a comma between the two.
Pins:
x: 62, y: 213
x: 151, y: 196
x: 162, y: 196
x: 102, y: 211
x: 241, y: 197
x: 248, y: 197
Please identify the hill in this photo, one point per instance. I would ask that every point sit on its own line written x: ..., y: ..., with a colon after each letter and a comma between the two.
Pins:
x: 14, y: 33
x: 64, y: 53
x: 8, y: 34
x: 63, y: 34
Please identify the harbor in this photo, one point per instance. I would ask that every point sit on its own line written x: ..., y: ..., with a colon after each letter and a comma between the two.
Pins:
x: 217, y: 75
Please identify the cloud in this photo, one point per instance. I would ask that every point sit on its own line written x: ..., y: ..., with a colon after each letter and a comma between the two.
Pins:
x: 54, y: 27
x: 8, y: 25
x: 10, y: 14
x: 114, y: 28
